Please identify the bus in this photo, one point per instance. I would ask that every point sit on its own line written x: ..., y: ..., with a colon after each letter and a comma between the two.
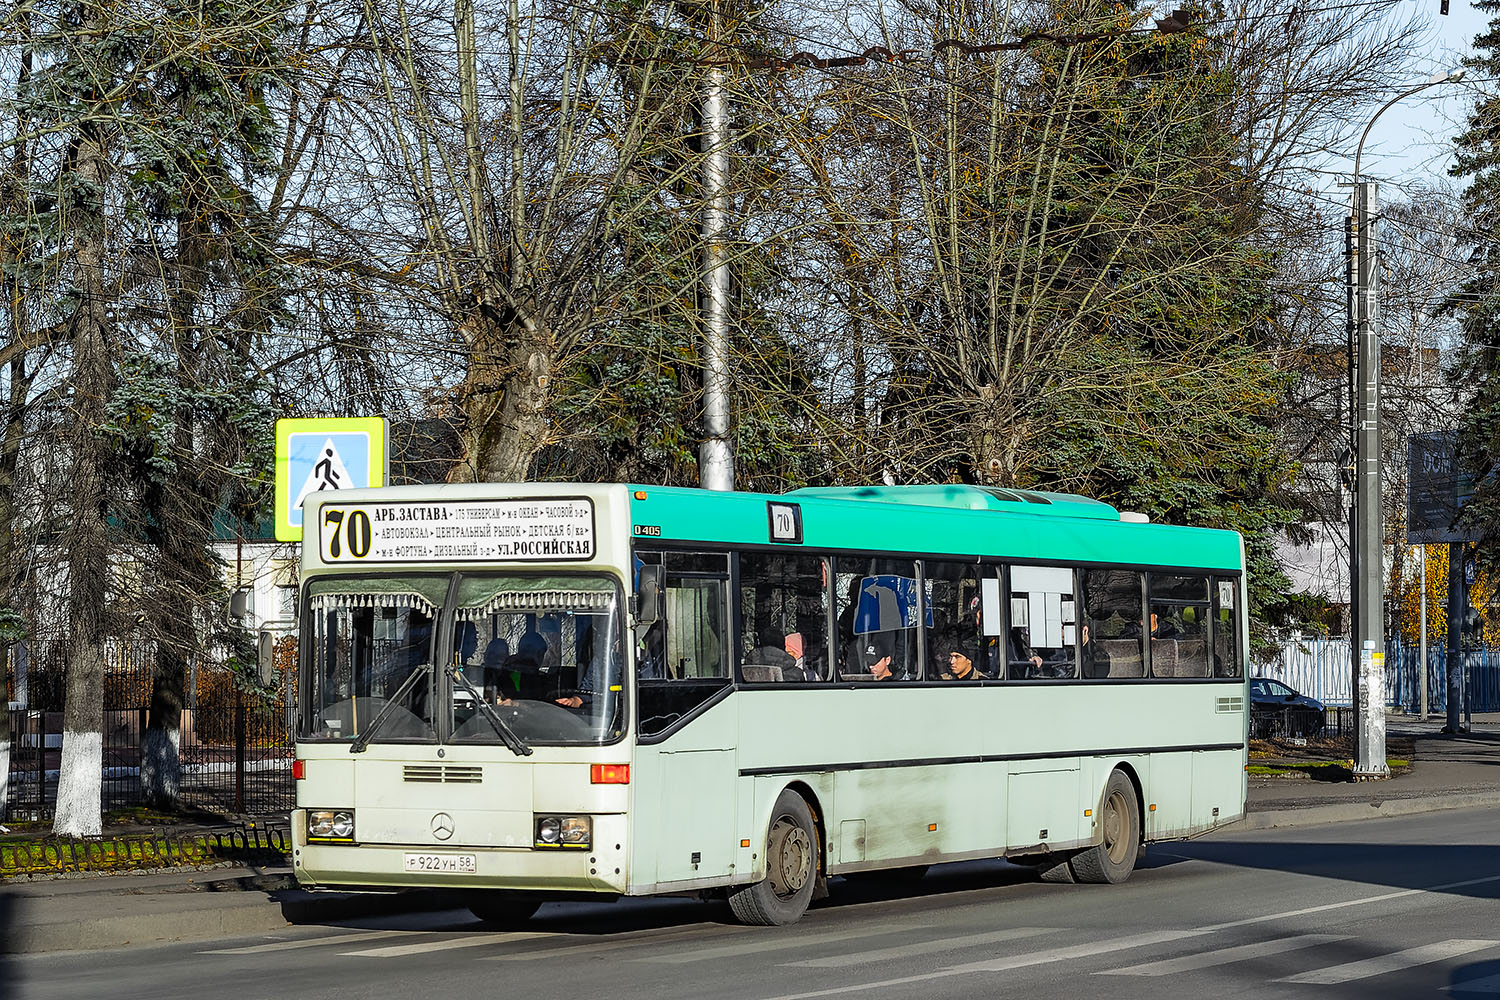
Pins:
x: 562, y: 691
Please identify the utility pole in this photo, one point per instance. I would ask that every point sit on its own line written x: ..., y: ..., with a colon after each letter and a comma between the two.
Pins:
x: 1457, y: 599
x: 1422, y: 622
x: 715, y: 454
x: 1369, y: 600
x: 1367, y: 567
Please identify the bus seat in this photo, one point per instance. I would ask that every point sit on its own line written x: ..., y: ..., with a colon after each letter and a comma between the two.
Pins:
x: 1192, y: 658
x: 1163, y: 657
x: 760, y: 673
x: 1124, y: 657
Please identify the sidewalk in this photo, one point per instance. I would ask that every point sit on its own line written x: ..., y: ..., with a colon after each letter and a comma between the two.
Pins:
x: 65, y: 914
x: 1450, y: 772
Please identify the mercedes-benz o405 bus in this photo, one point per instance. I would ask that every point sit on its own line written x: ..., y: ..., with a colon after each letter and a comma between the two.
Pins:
x: 545, y: 691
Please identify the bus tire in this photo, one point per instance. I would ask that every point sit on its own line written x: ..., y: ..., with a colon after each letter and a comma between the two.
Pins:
x: 1114, y: 857
x: 1058, y: 868
x: 791, y: 867
x: 503, y: 909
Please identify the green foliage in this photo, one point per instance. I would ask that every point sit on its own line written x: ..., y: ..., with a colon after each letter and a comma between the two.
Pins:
x: 1477, y: 301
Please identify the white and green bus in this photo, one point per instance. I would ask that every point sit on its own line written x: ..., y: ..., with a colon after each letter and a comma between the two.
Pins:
x: 563, y: 691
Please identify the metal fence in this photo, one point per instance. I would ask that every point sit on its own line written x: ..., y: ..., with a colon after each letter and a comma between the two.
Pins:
x: 1321, y: 669
x: 235, y: 745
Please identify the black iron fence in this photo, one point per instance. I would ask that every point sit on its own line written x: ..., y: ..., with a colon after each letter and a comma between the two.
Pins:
x: 235, y: 744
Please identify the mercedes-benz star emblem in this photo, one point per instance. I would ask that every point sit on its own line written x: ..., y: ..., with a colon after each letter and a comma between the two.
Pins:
x: 442, y: 826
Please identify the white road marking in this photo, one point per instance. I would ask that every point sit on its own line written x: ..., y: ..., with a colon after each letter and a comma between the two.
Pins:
x: 443, y: 944
x: 335, y: 940
x: 602, y: 943
x: 1224, y: 956
x: 778, y: 943
x: 1352, y: 902
x: 920, y: 948
x: 1001, y: 964
x: 1394, y: 962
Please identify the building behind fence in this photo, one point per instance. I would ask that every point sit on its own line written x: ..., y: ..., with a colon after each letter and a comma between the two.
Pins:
x: 1321, y: 669
x: 236, y: 745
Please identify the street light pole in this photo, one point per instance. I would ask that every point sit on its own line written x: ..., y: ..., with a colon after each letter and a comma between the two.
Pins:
x: 1366, y: 537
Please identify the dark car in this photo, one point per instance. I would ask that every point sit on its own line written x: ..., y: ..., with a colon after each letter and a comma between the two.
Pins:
x: 1277, y: 710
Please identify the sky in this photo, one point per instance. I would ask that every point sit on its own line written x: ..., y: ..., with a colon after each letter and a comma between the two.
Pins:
x: 1413, y: 141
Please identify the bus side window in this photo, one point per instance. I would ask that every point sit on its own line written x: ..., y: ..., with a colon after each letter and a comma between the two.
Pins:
x: 1042, y: 624
x: 1226, y: 629
x: 1112, y: 623
x: 1179, y: 625
x: 877, y: 619
x: 955, y: 648
x: 681, y: 659
x: 783, y: 618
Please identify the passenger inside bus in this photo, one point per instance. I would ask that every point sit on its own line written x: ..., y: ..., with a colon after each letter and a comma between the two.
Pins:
x: 960, y: 666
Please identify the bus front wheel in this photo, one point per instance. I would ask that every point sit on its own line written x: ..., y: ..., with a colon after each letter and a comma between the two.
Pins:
x: 1114, y: 857
x: 791, y: 867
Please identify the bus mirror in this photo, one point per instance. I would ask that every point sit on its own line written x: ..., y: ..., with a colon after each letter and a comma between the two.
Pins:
x: 265, y: 658
x: 648, y: 595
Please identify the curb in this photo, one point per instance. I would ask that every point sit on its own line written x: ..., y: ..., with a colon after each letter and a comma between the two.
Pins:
x: 1343, y: 812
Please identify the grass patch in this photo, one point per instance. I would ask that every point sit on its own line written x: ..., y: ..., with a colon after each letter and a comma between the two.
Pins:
x: 1320, y: 770
x: 130, y: 844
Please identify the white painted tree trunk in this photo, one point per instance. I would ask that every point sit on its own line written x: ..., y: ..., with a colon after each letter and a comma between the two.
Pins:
x: 80, y: 786
x: 5, y: 769
x: 161, y: 765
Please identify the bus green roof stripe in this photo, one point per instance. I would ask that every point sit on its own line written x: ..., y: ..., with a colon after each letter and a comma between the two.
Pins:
x: 1070, y: 530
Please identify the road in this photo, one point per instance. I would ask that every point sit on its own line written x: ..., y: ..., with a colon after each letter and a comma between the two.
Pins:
x: 1387, y: 908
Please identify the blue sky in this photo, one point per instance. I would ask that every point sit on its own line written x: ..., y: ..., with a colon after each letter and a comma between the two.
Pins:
x: 1413, y: 141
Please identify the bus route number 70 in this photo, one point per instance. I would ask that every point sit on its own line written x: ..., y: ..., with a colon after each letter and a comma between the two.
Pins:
x: 347, y: 531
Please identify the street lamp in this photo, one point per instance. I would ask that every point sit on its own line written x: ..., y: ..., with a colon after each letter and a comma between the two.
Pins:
x: 1365, y: 534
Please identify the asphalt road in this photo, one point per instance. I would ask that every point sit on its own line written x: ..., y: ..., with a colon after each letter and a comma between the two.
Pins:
x: 1403, y: 907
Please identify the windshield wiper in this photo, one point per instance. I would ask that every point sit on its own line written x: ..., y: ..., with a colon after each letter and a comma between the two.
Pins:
x: 507, y: 735
x: 363, y: 739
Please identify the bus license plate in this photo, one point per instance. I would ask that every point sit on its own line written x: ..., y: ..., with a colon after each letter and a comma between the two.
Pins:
x: 461, y: 864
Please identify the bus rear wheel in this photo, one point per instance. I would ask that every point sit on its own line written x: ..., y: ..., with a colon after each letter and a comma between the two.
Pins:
x: 1114, y: 857
x: 503, y: 909
x: 791, y: 867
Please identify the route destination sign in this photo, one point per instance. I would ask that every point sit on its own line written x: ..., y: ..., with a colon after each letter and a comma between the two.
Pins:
x: 533, y: 530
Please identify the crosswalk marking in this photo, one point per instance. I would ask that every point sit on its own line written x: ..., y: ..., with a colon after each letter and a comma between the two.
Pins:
x: 1394, y: 962
x: 443, y: 944
x: 1224, y: 956
x: 336, y: 940
x: 1279, y: 917
x: 1003, y: 963
x: 597, y: 944
x: 779, y: 942
x: 920, y: 948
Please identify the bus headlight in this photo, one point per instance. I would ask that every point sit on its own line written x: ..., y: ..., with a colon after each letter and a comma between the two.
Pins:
x: 564, y: 831
x: 330, y: 824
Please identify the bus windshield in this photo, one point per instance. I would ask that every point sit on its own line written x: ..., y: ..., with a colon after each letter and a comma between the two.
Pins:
x: 544, y: 651
x: 369, y: 636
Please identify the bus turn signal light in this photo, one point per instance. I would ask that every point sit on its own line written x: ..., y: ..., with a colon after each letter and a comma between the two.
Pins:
x: 609, y: 774
x: 299, y: 769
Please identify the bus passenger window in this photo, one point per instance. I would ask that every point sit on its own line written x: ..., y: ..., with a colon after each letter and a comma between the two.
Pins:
x: 1226, y: 630
x: 1042, y: 627
x: 955, y: 647
x: 877, y: 619
x: 1179, y: 625
x: 783, y: 618
x: 1111, y: 633
x: 681, y: 659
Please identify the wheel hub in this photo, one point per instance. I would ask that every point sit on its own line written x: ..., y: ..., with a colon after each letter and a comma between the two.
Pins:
x: 789, y: 858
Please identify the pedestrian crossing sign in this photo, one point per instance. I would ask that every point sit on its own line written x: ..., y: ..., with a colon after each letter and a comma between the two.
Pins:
x: 315, y: 454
